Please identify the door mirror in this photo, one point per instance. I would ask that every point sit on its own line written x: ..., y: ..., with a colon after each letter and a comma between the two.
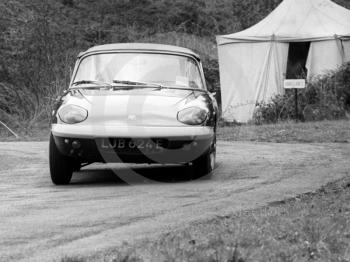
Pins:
x: 210, y: 87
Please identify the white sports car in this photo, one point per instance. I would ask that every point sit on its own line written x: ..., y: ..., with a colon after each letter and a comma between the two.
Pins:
x: 134, y: 103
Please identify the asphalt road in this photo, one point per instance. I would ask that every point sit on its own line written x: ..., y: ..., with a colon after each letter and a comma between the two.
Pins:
x: 42, y: 222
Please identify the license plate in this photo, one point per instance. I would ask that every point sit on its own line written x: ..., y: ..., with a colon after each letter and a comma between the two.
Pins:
x: 125, y: 144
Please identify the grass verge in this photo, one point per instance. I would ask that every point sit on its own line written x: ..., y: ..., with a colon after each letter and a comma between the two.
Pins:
x: 38, y: 133
x: 289, y: 132
x: 310, y: 227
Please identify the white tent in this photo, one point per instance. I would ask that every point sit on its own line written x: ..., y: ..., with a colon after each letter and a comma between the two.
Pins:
x: 253, y: 62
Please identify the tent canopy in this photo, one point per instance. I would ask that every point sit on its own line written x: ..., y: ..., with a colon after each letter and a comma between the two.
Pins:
x: 253, y: 63
x: 297, y: 20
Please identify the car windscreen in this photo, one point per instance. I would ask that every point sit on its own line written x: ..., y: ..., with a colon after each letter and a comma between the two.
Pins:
x: 164, y: 69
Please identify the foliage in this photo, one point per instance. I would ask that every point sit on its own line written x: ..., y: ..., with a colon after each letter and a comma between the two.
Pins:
x: 326, y: 97
x: 41, y: 38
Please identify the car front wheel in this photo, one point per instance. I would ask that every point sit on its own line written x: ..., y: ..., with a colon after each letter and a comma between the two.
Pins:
x: 61, y: 167
x: 205, y: 164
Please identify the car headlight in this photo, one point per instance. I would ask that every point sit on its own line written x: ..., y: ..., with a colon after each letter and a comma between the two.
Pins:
x: 72, y: 114
x: 192, y: 116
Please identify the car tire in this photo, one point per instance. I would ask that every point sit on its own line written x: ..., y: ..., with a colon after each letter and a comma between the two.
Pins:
x: 61, y: 167
x: 76, y: 166
x: 205, y: 164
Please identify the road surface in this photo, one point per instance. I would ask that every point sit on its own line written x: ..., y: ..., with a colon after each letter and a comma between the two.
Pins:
x: 42, y: 222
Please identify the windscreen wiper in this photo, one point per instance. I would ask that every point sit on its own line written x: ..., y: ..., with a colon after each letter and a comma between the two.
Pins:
x: 137, y: 84
x: 93, y: 82
x: 184, y: 88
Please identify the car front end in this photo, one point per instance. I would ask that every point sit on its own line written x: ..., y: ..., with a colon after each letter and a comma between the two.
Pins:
x: 164, y: 114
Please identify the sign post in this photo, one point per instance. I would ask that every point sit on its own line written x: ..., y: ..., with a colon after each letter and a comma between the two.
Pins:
x: 295, y: 84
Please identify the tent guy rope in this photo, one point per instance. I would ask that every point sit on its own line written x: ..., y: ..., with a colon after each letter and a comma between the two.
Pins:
x: 9, y: 129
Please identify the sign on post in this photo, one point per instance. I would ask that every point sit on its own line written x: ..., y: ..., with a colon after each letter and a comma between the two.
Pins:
x: 295, y: 84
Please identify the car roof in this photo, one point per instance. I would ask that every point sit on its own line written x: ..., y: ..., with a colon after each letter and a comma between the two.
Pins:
x: 140, y: 47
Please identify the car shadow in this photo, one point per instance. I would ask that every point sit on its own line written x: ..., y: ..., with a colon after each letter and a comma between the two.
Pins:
x: 127, y: 175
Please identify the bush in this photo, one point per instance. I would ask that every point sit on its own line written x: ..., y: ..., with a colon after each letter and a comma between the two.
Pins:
x: 327, y: 97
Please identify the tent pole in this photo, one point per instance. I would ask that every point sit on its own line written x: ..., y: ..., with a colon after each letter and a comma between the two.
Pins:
x: 296, y: 105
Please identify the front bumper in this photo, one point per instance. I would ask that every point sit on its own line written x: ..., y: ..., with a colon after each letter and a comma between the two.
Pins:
x: 177, y: 144
x: 95, y: 131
